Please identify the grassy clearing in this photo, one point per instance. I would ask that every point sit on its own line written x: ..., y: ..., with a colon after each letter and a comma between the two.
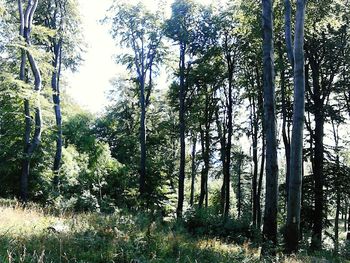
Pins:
x: 33, y: 235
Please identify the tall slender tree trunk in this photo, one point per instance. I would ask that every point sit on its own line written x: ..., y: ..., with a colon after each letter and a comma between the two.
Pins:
x: 179, y: 209
x: 230, y: 65
x: 26, y: 19
x: 143, y: 141
x: 318, y: 159
x: 226, y: 139
x: 143, y: 187
x: 55, y: 85
x: 205, y: 137
x: 222, y: 136
x: 336, y: 224
x: 263, y: 142
x: 285, y: 132
x: 288, y: 31
x: 335, y: 127
x: 24, y: 179
x: 344, y: 214
x: 26, y: 155
x: 254, y: 131
x: 261, y: 175
x: 239, y: 185
x: 271, y: 200
x: 203, y: 187
x: 316, y: 241
x: 142, y: 73
x: 193, y: 168
x: 348, y: 234
x: 296, y: 162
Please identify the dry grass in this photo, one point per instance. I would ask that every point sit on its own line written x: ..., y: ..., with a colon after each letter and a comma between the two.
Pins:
x: 24, y: 221
x: 25, y: 236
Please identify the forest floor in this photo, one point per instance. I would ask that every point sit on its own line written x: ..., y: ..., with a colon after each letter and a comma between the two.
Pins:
x: 35, y: 235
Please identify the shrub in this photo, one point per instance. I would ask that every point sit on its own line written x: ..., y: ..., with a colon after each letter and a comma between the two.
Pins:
x: 87, y: 202
x: 345, y: 252
x: 205, y: 222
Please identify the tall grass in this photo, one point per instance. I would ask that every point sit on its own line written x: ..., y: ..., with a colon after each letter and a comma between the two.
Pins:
x: 33, y: 234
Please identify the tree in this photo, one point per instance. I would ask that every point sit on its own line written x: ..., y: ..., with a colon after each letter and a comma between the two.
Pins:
x: 296, y: 162
x: 193, y: 166
x: 230, y: 49
x: 64, y: 44
x: 178, y: 28
x: 141, y: 31
x: 251, y: 80
x: 208, y: 105
x: 26, y: 19
x: 320, y: 54
x: 271, y: 198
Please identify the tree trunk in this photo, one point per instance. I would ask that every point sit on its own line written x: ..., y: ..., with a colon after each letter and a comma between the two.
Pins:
x: 344, y: 214
x: 26, y: 19
x: 203, y: 198
x: 230, y: 65
x: 296, y: 162
x: 348, y: 234
x: 336, y: 224
x: 55, y: 85
x: 288, y: 31
x: 26, y: 155
x: 318, y: 159
x: 254, y: 132
x: 316, y: 242
x: 194, y: 168
x: 271, y: 200
x: 205, y: 138
x: 239, y: 186
x: 222, y: 137
x: 203, y: 188
x: 261, y: 175
x: 285, y: 132
x: 179, y: 209
x: 143, y: 187
x: 263, y: 142
x: 335, y: 127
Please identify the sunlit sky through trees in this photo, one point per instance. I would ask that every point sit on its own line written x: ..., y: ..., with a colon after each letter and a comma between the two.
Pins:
x: 89, y: 86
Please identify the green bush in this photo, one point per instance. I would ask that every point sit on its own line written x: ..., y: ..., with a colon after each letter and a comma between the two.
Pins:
x: 201, y: 222
x: 345, y: 252
x: 87, y: 202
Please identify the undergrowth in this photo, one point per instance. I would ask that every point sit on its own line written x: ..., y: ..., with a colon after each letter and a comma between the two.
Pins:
x: 33, y: 234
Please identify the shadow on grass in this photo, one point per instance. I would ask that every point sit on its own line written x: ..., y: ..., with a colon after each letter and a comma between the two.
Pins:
x: 111, y: 245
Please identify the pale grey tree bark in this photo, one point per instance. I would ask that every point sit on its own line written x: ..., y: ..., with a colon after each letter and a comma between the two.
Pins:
x: 296, y: 162
x: 271, y: 200
x: 56, y: 97
x: 57, y: 22
x: 26, y: 19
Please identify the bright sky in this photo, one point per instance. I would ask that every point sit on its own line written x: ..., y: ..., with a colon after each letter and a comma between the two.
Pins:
x: 90, y: 84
